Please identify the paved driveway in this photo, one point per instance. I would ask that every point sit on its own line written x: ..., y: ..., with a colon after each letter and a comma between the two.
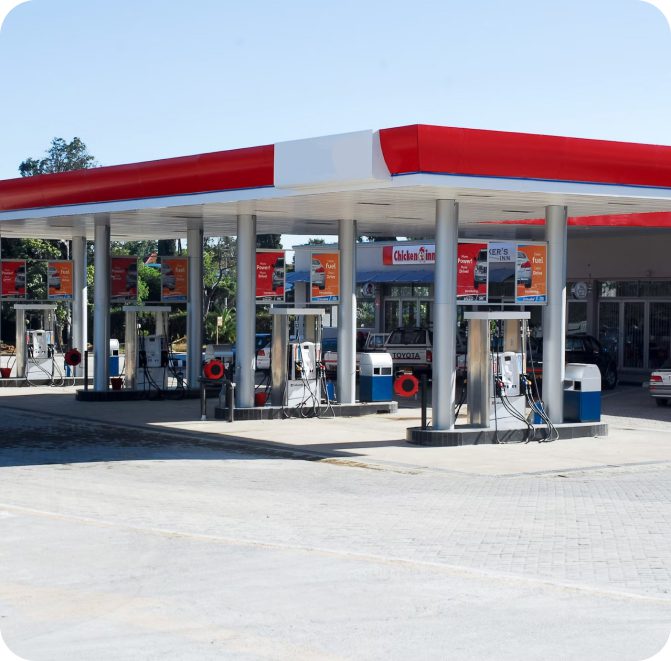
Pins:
x: 124, y: 544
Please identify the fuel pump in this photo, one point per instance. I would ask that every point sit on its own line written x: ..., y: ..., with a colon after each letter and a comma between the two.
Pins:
x: 147, y: 364
x: 497, y: 369
x: 297, y: 370
x: 36, y: 358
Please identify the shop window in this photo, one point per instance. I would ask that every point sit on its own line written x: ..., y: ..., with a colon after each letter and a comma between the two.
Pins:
x: 400, y: 291
x: 659, y: 348
x: 634, y: 321
x: 421, y: 291
x: 408, y: 314
x: 609, y: 326
x: 577, y: 317
x: 391, y: 316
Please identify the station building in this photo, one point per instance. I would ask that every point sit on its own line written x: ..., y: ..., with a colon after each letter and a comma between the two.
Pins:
x: 618, y: 286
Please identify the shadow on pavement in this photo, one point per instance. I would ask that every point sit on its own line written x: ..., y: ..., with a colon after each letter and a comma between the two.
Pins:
x: 633, y: 402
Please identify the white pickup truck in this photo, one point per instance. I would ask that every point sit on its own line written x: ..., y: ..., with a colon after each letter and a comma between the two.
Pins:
x: 411, y: 350
x: 365, y: 344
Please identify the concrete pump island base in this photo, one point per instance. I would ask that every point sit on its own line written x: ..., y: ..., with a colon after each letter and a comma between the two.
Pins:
x: 501, y: 397
x: 497, y: 205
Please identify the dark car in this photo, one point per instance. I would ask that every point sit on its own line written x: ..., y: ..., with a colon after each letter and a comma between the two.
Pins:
x: 580, y: 348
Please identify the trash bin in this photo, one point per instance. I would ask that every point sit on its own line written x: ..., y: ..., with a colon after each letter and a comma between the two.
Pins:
x: 582, y: 393
x: 376, y: 377
x: 114, y: 367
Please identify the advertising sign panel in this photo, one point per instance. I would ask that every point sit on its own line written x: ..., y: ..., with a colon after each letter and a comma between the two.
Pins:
x: 123, y: 279
x: 13, y: 278
x: 325, y: 277
x: 409, y: 255
x: 174, y: 279
x: 531, y: 274
x: 270, y: 275
x: 59, y: 280
x: 472, y: 269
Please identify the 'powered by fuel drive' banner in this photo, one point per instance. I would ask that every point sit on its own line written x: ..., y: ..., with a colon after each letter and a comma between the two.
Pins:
x: 270, y: 276
x: 59, y: 280
x: 325, y: 277
x: 123, y: 279
x: 13, y: 278
x: 531, y: 277
x: 174, y: 279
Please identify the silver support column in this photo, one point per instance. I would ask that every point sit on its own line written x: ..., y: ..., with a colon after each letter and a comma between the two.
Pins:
x: 20, y: 348
x: 479, y: 373
x: 347, y: 313
x: 245, y: 312
x: 278, y: 359
x: 194, y: 307
x: 79, y: 338
x: 101, y: 304
x: 130, y: 351
x: 554, y: 316
x: 445, y: 315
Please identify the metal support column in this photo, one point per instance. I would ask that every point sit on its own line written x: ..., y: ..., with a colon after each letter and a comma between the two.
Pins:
x: 101, y: 304
x: 246, y: 312
x: 347, y: 313
x: 194, y: 308
x: 130, y: 351
x: 278, y: 359
x: 554, y: 316
x: 445, y: 315
x: 20, y: 343
x: 479, y: 373
x: 79, y: 339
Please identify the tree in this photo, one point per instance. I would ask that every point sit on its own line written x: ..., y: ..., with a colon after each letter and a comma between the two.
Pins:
x: 316, y: 242
x: 62, y: 156
x: 269, y: 241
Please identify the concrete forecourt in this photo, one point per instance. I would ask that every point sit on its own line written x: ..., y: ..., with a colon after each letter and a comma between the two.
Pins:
x: 320, y: 539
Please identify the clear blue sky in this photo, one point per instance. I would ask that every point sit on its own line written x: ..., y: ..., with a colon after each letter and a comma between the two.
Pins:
x: 145, y: 79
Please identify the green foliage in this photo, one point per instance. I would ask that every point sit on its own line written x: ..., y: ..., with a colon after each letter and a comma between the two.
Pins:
x: 269, y: 241
x: 61, y: 156
x: 316, y: 242
x: 140, y: 248
x: 167, y: 247
x: 226, y: 332
x: 148, y: 284
x: 33, y: 249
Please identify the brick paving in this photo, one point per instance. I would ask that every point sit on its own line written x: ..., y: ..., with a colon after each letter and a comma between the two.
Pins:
x: 601, y: 529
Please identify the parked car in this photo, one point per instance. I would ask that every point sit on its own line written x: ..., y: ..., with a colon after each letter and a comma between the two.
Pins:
x: 262, y: 362
x: 318, y: 274
x: 20, y: 278
x: 53, y: 278
x: 167, y: 277
x: 580, y: 348
x: 480, y: 276
x: 278, y: 274
x: 660, y: 384
x: 131, y: 277
x: 523, y: 269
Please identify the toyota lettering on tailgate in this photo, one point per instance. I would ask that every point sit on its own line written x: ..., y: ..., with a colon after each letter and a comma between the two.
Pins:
x: 405, y: 356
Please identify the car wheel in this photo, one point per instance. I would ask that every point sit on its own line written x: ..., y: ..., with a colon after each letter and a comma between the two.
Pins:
x: 661, y: 401
x: 610, y: 378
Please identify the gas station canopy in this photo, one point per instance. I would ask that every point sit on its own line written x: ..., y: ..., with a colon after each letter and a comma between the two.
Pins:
x: 387, y: 180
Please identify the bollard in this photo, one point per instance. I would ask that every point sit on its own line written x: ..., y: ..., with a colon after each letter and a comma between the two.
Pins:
x: 422, y: 388
x: 230, y: 401
x: 203, y: 400
x: 86, y: 370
